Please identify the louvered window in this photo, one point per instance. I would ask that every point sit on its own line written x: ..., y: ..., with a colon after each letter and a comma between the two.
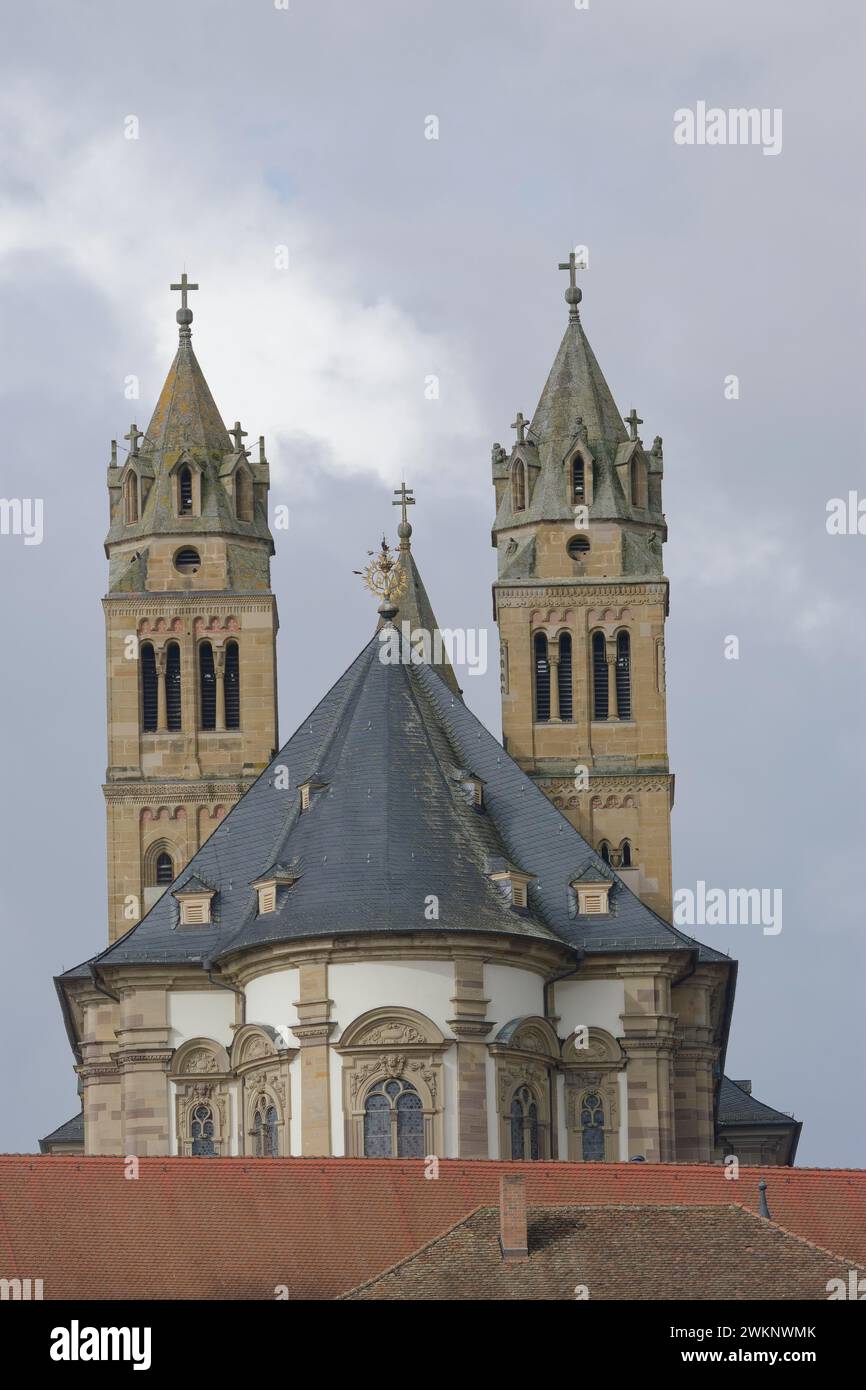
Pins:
x: 542, y: 679
x: 148, y: 689
x: 172, y: 686
x: 164, y: 868
x: 564, y: 678
x: 185, y: 490
x: 243, y: 495
x: 207, y: 685
x: 232, y: 686
x: 195, y: 912
x: 268, y: 898
x: 187, y: 560
x: 599, y: 676
x: 578, y: 480
x: 623, y: 675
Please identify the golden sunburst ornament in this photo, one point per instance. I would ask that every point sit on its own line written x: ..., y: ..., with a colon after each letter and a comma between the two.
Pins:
x: 385, y: 576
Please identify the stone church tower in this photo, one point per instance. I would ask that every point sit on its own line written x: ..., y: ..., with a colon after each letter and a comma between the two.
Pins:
x: 191, y: 624
x: 581, y: 601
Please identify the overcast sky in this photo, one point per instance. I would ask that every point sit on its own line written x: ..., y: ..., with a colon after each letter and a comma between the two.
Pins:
x: 408, y: 257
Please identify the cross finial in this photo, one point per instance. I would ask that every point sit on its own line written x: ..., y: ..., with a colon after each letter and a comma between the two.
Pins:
x: 520, y: 425
x: 403, y: 498
x: 134, y: 435
x: 184, y: 313
x: 238, y: 436
x: 573, y: 294
x: 633, y: 420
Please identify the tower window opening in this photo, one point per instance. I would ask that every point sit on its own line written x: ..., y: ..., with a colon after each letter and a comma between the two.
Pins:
x: 599, y: 676
x: 625, y: 855
x: 542, y: 679
x: 564, y: 678
x: 172, y: 687
x: 130, y: 499
x: 148, y: 689
x: 243, y: 495
x: 623, y: 675
x: 518, y: 486
x: 578, y: 546
x: 604, y: 851
x: 207, y: 685
x: 185, y: 487
x: 232, y: 686
x: 187, y: 560
x: 164, y: 869
x: 578, y: 480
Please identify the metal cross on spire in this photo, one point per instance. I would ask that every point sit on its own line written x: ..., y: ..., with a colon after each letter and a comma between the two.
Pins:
x: 134, y: 435
x: 633, y: 420
x: 403, y: 498
x: 184, y: 288
x: 520, y: 425
x: 238, y: 435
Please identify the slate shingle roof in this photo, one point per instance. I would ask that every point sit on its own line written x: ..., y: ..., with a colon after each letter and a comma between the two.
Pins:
x: 72, y: 1132
x: 390, y: 829
x: 323, y: 1226
x: 737, y: 1106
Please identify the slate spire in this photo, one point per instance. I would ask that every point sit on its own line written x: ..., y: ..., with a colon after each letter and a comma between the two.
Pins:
x: 186, y: 415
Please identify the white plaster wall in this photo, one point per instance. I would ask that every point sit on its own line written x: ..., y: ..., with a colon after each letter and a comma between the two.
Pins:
x: 295, y: 1085
x: 512, y: 993
x: 198, y: 1013
x: 424, y: 985
x: 593, y: 1003
x: 624, y: 1154
x: 272, y: 998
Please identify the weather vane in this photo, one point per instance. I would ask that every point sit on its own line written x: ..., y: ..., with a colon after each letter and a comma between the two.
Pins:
x: 385, y: 576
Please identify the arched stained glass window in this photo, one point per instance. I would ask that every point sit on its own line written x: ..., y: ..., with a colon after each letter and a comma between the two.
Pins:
x: 542, y: 678
x: 525, y: 1136
x: 232, y: 686
x: 265, y: 1143
x: 592, y: 1128
x: 623, y: 675
x: 202, y: 1132
x: 148, y: 689
x: 172, y: 686
x: 164, y: 868
x: 393, y: 1121
x: 564, y: 678
x: 599, y: 676
x: 207, y: 685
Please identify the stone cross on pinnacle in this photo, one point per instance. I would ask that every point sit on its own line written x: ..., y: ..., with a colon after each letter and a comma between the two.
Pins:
x: 238, y: 435
x: 633, y: 420
x: 134, y: 435
x: 520, y: 425
x: 184, y: 288
x: 403, y: 498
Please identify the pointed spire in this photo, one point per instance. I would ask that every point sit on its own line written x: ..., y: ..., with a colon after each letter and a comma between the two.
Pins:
x: 186, y: 415
x: 575, y: 394
x: 415, y: 607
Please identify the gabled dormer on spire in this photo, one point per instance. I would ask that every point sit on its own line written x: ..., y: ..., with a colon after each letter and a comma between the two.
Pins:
x: 581, y: 601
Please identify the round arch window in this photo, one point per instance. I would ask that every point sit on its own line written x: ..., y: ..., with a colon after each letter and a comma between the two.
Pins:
x: 577, y: 547
x: 187, y: 560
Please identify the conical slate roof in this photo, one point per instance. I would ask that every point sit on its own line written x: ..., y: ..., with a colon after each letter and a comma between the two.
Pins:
x: 186, y: 414
x: 417, y: 610
x: 575, y: 390
x: 391, y: 841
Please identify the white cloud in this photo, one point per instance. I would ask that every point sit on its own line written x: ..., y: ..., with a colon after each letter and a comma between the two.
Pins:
x: 298, y: 354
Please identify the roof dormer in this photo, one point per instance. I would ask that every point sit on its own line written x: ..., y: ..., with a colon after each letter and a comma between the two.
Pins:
x: 512, y: 883
x: 307, y: 790
x: 195, y: 900
x: 276, y: 877
x: 592, y: 891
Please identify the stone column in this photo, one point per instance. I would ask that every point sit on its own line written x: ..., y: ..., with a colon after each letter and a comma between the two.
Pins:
x: 160, y: 657
x: 99, y: 1075
x: 219, y: 661
x: 610, y: 657
x: 143, y: 1059
x: 650, y: 1044
x: 553, y: 662
x: 313, y: 1030
x: 470, y: 1026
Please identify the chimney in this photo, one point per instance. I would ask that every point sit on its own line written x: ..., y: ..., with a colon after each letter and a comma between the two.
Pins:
x: 512, y: 1217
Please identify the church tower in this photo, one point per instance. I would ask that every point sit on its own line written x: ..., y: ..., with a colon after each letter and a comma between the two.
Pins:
x: 191, y: 626
x: 581, y: 600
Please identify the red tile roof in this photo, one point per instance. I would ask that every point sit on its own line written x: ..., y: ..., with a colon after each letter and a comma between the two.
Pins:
x: 695, y: 1253
x: 237, y: 1228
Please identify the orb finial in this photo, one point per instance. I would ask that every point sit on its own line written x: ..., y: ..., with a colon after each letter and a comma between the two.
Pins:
x: 574, y: 294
